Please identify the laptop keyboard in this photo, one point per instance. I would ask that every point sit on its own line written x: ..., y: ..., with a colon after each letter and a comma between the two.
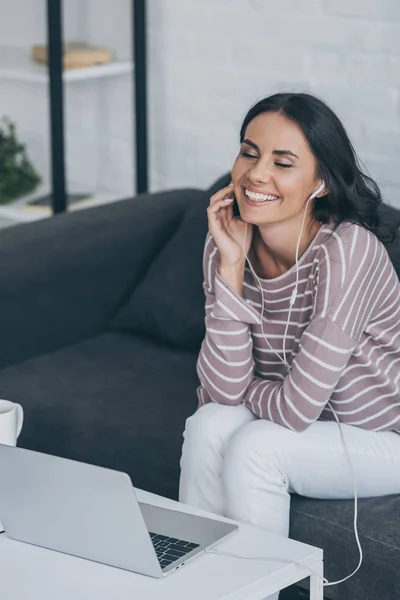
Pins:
x: 169, y: 549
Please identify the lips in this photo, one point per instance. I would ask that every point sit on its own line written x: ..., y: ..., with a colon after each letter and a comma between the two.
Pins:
x: 253, y: 198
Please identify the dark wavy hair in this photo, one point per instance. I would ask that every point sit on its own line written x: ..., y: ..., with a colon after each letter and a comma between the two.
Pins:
x: 352, y: 195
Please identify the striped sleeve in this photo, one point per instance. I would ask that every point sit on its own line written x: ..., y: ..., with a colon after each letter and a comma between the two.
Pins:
x: 353, y: 278
x: 297, y: 402
x: 225, y: 364
x: 351, y: 274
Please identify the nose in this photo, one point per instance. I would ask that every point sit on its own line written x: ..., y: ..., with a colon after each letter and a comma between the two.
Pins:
x: 259, y: 174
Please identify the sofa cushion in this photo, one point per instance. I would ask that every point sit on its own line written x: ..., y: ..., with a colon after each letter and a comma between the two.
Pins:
x: 63, y: 278
x: 168, y: 304
x: 390, y: 216
x: 219, y: 184
x: 114, y: 400
x: 175, y: 316
x: 329, y: 525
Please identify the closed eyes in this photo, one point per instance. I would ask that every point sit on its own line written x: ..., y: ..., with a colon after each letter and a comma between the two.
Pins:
x: 278, y: 164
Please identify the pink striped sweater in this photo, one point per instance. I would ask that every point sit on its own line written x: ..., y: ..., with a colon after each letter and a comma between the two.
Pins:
x: 342, y: 343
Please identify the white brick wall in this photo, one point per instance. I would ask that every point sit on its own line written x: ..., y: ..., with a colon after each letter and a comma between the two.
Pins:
x: 209, y: 60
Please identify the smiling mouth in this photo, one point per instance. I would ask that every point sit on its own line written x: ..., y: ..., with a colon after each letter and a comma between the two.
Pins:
x: 256, y: 198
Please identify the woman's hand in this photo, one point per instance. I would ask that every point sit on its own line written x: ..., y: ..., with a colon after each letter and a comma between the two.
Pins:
x: 229, y: 233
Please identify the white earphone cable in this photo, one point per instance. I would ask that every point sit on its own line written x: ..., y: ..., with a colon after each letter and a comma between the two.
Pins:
x: 262, y: 299
x: 353, y: 476
x: 284, y: 361
x: 266, y: 558
x: 294, y: 292
x: 325, y: 581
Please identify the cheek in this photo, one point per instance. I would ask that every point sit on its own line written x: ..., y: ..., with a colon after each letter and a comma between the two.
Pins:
x: 238, y: 169
x: 290, y: 182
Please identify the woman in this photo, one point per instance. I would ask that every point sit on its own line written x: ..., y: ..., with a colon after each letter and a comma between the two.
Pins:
x: 328, y: 344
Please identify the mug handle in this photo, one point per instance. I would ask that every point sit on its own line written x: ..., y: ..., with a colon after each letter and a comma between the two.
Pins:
x: 20, y: 418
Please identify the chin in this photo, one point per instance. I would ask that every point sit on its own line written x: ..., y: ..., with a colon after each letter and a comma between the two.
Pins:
x: 261, y: 219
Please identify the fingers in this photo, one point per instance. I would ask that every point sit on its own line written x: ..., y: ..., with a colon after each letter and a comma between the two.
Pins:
x: 221, y: 194
x: 219, y: 213
x: 218, y: 205
x: 219, y: 201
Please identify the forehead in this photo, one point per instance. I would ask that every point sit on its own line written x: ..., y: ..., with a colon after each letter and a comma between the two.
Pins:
x: 273, y: 131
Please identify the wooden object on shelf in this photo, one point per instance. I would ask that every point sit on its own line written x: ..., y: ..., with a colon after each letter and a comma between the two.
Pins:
x: 76, y: 55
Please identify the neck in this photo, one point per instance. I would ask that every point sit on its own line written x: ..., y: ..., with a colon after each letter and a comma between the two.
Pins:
x: 274, y: 245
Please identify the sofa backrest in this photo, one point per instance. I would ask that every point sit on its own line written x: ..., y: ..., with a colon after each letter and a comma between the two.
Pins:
x: 63, y: 278
x: 168, y: 303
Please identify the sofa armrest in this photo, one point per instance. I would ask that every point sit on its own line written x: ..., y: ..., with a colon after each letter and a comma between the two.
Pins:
x: 63, y: 278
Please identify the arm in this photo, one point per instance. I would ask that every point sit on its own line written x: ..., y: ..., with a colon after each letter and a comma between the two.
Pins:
x: 349, y: 291
x: 225, y: 365
x: 297, y: 402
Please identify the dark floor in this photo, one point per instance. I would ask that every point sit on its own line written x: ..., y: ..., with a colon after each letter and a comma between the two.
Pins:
x: 294, y: 593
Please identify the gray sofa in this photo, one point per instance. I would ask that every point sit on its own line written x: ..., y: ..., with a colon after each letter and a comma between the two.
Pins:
x: 101, y: 320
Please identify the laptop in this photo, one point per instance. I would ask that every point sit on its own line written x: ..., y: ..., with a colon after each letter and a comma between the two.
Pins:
x: 93, y: 513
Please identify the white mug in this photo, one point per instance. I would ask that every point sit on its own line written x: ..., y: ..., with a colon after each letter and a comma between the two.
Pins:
x: 11, y: 419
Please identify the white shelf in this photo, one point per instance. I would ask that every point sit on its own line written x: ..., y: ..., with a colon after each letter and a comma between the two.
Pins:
x: 19, y: 210
x: 16, y: 64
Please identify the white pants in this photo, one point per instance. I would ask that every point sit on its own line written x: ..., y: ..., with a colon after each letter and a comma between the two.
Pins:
x: 244, y: 468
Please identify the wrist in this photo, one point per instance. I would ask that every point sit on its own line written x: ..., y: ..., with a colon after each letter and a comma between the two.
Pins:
x: 233, y: 274
x: 234, y: 266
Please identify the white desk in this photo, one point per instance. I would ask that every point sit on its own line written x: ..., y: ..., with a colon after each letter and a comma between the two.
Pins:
x: 31, y: 573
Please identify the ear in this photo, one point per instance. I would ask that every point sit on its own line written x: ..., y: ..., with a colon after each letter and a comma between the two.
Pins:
x: 324, y: 191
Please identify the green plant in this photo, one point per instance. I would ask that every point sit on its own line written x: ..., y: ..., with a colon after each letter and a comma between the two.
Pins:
x: 17, y: 174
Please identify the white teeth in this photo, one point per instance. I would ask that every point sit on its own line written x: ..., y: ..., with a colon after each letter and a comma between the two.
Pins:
x: 259, y: 197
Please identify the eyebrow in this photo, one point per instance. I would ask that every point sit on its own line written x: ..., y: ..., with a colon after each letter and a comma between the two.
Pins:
x: 276, y: 152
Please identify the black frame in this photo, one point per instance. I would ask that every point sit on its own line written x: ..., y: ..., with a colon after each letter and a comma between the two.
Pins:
x: 56, y: 99
x: 140, y: 92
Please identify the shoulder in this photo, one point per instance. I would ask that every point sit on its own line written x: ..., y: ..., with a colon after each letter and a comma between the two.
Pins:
x: 350, y: 247
x: 348, y: 236
x: 353, y: 269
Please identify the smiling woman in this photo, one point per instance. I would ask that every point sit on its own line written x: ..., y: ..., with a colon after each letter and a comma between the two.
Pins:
x: 302, y: 326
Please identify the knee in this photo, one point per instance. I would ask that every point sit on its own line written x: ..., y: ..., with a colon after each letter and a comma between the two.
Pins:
x: 259, y: 444
x: 255, y: 486
x: 213, y: 424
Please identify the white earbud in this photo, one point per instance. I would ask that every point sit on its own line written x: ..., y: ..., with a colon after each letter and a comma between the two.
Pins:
x: 321, y: 187
x: 317, y: 191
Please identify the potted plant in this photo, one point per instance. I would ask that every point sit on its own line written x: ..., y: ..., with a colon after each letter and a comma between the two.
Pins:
x: 18, y: 177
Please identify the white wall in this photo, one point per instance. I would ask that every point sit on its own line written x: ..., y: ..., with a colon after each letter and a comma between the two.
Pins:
x: 211, y: 60
x: 208, y: 62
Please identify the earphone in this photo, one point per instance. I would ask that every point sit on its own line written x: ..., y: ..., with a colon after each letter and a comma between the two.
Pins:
x: 317, y: 191
x: 291, y: 303
x: 294, y: 292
